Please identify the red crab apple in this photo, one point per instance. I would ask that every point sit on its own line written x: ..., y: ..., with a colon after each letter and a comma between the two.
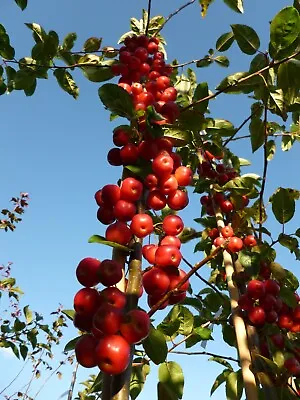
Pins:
x: 235, y: 244
x: 156, y: 282
x: 110, y: 194
x: 156, y: 200
x: 124, y: 210
x: 107, y: 319
x: 86, y: 301
x: 176, y: 275
x: 167, y: 256
x: 112, y: 296
x: 257, y: 316
x: 118, y: 232
x: 178, y: 200
x: 85, y: 351
x: 86, y: 271
x: 227, y: 232
x: 171, y: 240
x: 141, y: 225
x: 131, y: 189
x: 112, y: 354
x: 293, y: 366
x: 83, y: 322
x: 110, y: 272
x: 272, y: 287
x: 250, y: 241
x: 149, y: 251
x: 106, y: 215
x: 172, y: 225
x: 184, y: 175
x: 163, y: 165
x: 256, y: 289
x: 177, y: 298
x: 135, y: 326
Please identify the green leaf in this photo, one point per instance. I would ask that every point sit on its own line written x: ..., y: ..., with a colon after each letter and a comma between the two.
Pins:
x: 287, y: 295
x: 169, y: 328
x: 163, y: 393
x: 248, y: 259
x: 225, y: 41
x: 220, y: 127
x: 155, y: 346
x: 71, y: 344
x: 193, y: 302
x: 283, y: 205
x: 257, y: 133
x: 101, y: 240
x: 66, y: 82
x: 220, y: 379
x: 223, y: 61
x: 22, y: 4
x: 235, y: 5
x: 69, y: 314
x: 6, y: 51
x: 117, y: 100
x: 92, y: 44
x: 28, y: 314
x: 204, y: 6
x: 24, y: 79
x: 14, y: 349
x: 186, y: 319
x: 232, y: 85
x: 221, y: 361
x: 201, y: 91
x: 203, y: 333
x: 234, y: 386
x: 39, y: 33
x: 69, y: 41
x: 32, y: 337
x: 100, y: 72
x: 270, y: 149
x: 246, y: 37
x: 19, y: 325
x: 171, y: 375
x: 229, y: 334
x: 290, y: 281
x: 285, y: 28
x: 288, y: 241
x: 138, y: 378
x: 23, y: 351
x: 180, y: 136
x: 288, y: 78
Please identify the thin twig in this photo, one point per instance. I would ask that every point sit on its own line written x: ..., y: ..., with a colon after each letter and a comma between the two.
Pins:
x: 238, y: 129
x: 205, y: 353
x: 74, y: 375
x: 264, y: 177
x: 237, y: 82
x: 49, y: 377
x: 173, y: 14
x: 148, y: 18
x: 15, y: 378
x: 203, y: 280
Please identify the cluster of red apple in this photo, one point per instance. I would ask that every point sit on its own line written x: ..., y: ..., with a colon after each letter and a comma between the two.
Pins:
x: 212, y: 168
x: 145, y: 75
x: 263, y: 304
x: 102, y: 314
x: 164, y: 275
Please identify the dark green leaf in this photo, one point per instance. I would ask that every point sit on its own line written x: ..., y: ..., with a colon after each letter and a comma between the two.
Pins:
x: 201, y: 92
x: 219, y: 380
x: 71, y: 344
x: 117, y: 100
x: 204, y: 62
x: 92, y: 44
x: 32, y: 337
x: 24, y: 79
x: 285, y: 28
x: 225, y: 41
x: 236, y: 83
x: 22, y: 4
x: 203, y: 333
x: 246, y: 37
x: 39, y: 33
x: 19, y: 325
x: 163, y: 393
x: 138, y: 378
x: 155, y: 346
x: 193, y: 302
x: 101, y: 240
x: 288, y: 241
x: 257, y: 132
x: 283, y: 205
x: 229, y: 335
x: 223, y: 61
x: 291, y: 281
x: 171, y: 375
x: 235, y: 5
x: 270, y: 149
x: 14, y: 349
x: 220, y: 127
x: 141, y: 170
x: 69, y: 41
x: 259, y: 61
x: 169, y: 328
x: 66, y: 82
x: 186, y: 319
x: 23, y: 351
x: 234, y: 386
x: 180, y: 136
x: 287, y: 295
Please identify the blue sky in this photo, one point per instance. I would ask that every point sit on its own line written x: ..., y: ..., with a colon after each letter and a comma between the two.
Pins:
x: 55, y: 148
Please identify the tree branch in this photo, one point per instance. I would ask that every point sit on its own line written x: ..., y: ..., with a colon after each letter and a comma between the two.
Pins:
x: 148, y: 19
x: 205, y: 353
x: 263, y: 185
x: 246, y: 78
